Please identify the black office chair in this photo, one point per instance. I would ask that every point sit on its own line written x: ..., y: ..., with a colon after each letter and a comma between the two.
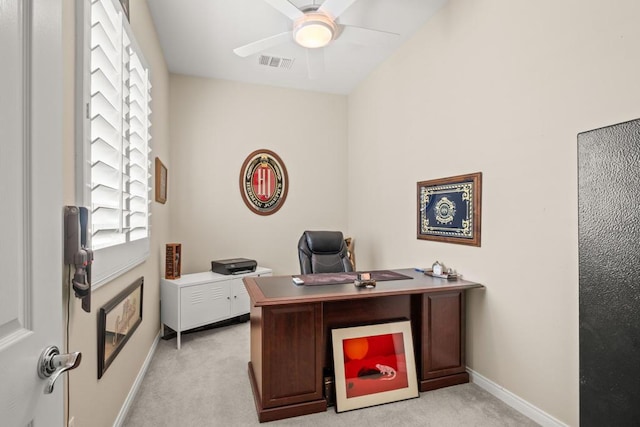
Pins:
x: 323, y: 252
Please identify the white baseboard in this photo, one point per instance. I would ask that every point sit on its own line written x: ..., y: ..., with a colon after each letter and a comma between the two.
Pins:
x: 517, y: 403
x: 136, y: 384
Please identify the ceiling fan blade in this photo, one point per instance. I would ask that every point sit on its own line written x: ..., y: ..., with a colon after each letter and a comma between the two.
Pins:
x: 286, y: 8
x: 264, y: 44
x: 366, y: 36
x: 315, y: 63
x: 335, y: 7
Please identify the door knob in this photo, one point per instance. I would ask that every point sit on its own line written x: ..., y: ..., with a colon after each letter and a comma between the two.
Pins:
x: 51, y: 364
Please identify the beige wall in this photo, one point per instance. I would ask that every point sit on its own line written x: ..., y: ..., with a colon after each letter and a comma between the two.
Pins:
x: 501, y: 87
x: 214, y: 126
x: 94, y: 402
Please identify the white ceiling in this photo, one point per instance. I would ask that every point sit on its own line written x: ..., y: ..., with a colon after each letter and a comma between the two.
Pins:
x: 198, y: 38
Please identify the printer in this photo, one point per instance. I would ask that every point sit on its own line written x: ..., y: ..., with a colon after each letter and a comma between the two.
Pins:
x: 233, y: 266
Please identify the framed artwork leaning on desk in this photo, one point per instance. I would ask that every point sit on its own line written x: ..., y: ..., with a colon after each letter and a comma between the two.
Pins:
x: 373, y: 364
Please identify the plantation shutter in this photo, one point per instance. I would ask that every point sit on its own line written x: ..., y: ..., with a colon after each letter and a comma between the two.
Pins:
x: 117, y: 130
x: 138, y: 150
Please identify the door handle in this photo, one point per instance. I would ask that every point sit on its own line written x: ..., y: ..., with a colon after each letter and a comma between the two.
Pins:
x: 51, y: 364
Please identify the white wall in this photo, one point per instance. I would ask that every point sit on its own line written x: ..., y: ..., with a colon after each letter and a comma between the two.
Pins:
x: 501, y: 87
x: 94, y: 402
x: 215, y: 125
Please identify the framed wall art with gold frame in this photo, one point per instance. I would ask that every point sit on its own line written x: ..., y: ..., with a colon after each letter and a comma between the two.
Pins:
x: 449, y: 209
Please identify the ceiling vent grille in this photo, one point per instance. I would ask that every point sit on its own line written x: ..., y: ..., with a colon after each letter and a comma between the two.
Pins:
x: 275, y: 62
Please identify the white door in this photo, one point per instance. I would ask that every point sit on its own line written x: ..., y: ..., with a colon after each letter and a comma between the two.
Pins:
x: 30, y: 208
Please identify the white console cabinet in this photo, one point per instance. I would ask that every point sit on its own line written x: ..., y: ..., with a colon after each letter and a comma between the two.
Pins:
x: 199, y: 299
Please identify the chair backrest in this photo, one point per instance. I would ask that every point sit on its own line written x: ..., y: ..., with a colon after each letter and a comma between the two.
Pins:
x: 323, y: 252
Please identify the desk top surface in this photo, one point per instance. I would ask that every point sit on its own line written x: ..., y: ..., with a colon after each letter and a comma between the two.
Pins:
x: 278, y: 290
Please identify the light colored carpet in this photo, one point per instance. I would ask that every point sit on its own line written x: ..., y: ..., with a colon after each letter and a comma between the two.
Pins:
x: 206, y: 384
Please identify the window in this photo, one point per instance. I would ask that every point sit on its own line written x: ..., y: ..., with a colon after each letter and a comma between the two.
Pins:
x: 113, y: 139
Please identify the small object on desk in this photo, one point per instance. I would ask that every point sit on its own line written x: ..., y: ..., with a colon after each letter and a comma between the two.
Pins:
x: 298, y: 281
x: 449, y: 275
x: 436, y: 268
x: 364, y: 280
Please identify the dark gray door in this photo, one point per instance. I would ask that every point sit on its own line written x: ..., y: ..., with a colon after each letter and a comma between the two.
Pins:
x: 609, y: 259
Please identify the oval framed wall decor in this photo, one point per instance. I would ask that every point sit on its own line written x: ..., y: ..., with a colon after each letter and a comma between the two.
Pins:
x: 264, y: 182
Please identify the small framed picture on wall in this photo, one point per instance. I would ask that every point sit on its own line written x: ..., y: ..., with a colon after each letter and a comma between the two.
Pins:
x: 161, y: 182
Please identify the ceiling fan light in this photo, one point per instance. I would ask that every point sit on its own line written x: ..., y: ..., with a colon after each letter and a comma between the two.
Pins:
x: 314, y: 30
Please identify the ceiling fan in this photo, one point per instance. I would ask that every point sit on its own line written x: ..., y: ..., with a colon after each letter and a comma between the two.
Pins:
x: 314, y: 27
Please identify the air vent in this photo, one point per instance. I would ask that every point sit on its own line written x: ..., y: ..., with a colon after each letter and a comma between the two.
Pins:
x: 275, y: 62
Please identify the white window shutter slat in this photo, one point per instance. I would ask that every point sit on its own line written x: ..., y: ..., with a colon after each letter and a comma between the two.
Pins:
x: 118, y: 95
x: 105, y: 13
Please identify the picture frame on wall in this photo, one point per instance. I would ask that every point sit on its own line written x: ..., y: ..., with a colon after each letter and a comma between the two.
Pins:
x: 161, y: 182
x: 264, y: 182
x: 117, y: 321
x: 373, y: 364
x: 449, y: 209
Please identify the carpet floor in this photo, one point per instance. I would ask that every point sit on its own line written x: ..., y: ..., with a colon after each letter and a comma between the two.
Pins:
x: 205, y: 383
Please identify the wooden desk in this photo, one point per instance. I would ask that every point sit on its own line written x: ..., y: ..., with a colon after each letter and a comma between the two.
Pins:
x: 291, y: 332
